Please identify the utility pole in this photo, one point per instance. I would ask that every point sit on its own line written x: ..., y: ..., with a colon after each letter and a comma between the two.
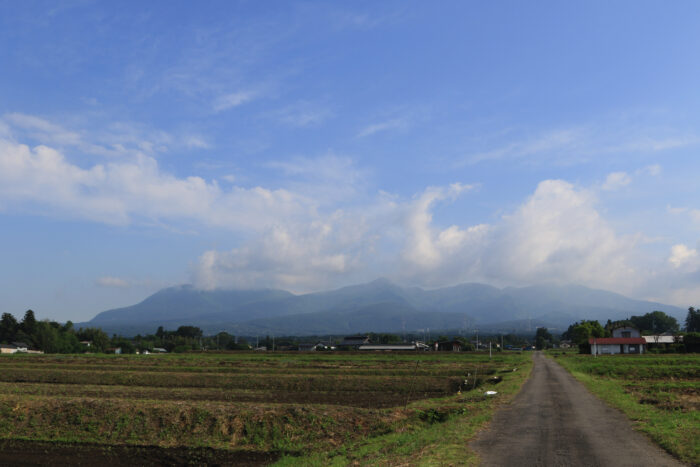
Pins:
x: 489, y: 350
x: 273, y: 342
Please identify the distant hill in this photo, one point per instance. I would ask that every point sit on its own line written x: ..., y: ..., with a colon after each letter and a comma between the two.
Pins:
x: 379, y: 306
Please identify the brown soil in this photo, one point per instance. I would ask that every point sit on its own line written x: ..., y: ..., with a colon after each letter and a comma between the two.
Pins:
x: 26, y: 453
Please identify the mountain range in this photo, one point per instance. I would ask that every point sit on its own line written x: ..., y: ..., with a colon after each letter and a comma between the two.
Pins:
x: 377, y: 306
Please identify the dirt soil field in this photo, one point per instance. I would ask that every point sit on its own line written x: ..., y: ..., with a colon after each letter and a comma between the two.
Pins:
x: 32, y: 453
x: 555, y: 421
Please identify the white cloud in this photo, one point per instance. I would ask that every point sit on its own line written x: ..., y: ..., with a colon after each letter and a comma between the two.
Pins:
x: 229, y: 101
x: 304, y: 234
x: 117, y: 140
x: 109, y: 281
x: 581, y: 143
x: 653, y: 170
x: 681, y: 256
x: 557, y: 235
x: 393, y: 124
x: 121, y: 192
x: 302, y: 114
x: 616, y: 180
x: 425, y: 247
x: 196, y: 142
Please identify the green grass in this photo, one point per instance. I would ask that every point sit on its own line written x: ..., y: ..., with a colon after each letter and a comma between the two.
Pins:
x: 660, y: 394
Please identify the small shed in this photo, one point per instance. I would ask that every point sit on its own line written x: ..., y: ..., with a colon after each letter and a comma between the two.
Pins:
x: 449, y: 346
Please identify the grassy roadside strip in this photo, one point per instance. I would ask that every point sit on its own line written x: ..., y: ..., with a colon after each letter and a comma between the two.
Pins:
x: 675, y: 431
x: 433, y: 432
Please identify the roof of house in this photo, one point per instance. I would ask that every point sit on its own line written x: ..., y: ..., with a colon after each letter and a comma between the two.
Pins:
x: 616, y: 340
x: 20, y: 344
x: 8, y: 346
x: 355, y: 340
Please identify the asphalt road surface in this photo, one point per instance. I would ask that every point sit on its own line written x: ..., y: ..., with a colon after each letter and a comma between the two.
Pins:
x: 555, y: 421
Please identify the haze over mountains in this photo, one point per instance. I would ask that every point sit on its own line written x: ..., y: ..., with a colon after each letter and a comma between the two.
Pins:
x: 377, y: 306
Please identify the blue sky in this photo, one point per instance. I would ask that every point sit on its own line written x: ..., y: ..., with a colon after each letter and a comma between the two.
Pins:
x: 308, y: 145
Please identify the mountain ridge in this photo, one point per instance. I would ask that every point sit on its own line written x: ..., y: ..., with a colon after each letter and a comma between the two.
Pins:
x: 379, y: 305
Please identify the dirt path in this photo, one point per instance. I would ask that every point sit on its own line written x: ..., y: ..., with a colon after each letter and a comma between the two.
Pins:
x: 555, y: 421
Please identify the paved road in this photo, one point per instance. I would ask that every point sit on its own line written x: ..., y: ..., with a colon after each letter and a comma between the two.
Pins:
x: 555, y: 421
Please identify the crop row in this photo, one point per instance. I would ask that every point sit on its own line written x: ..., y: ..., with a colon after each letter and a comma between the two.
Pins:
x: 162, y: 423
x: 287, y: 382
x: 369, y: 399
x: 425, y: 370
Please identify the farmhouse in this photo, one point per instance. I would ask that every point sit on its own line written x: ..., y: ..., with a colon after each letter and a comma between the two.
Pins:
x: 624, y: 340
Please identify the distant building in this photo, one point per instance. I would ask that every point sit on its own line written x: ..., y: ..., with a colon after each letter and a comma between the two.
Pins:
x: 353, y: 342
x: 7, y: 349
x: 663, y: 339
x: 390, y: 347
x: 159, y: 350
x: 625, y: 340
x: 449, y: 346
x: 21, y: 346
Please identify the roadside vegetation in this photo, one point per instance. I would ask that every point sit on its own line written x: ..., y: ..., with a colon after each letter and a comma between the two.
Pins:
x: 659, y: 393
x: 302, y: 408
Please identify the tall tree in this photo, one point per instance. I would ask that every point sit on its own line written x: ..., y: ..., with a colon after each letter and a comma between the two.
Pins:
x: 28, y: 324
x: 692, y: 320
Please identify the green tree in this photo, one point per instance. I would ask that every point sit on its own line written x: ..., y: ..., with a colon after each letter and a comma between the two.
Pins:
x: 543, y: 338
x: 99, y: 338
x: 8, y: 328
x: 692, y: 320
x: 192, y: 332
x: 28, y: 324
x: 580, y: 332
x: 656, y: 322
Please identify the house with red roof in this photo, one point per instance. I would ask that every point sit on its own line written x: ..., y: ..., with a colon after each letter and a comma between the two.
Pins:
x: 624, y: 339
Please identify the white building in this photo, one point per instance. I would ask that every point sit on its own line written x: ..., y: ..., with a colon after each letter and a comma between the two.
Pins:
x: 624, y: 340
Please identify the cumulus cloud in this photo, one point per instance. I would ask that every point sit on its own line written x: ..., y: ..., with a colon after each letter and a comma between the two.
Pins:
x: 682, y: 256
x: 425, y: 246
x: 302, y: 235
x: 557, y: 235
x: 121, y: 192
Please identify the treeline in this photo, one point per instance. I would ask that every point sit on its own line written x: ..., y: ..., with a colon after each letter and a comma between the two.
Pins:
x: 50, y: 336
